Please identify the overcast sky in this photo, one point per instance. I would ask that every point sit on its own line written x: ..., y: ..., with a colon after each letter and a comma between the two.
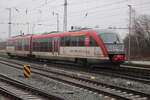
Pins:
x: 89, y: 13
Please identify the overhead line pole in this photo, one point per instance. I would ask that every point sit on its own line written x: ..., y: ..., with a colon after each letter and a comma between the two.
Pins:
x: 129, y: 43
x: 57, y: 15
x: 9, y: 27
x: 65, y: 16
x: 28, y: 27
x: 57, y: 21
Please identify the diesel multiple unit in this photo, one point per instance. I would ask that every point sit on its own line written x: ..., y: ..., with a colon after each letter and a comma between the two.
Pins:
x: 87, y: 46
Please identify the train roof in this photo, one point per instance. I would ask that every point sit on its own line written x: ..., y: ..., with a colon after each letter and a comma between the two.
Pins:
x: 96, y: 30
x: 74, y: 32
x: 20, y: 37
x: 102, y: 31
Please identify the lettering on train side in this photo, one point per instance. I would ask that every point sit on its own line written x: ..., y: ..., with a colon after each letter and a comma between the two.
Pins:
x: 80, y: 51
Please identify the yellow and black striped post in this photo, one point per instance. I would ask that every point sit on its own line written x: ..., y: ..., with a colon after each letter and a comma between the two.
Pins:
x: 27, y: 71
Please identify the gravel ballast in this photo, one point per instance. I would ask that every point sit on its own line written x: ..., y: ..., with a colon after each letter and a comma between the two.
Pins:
x: 51, y: 86
x: 73, y: 93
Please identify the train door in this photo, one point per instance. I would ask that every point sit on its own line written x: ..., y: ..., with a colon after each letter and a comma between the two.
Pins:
x: 55, y: 47
x: 87, y: 44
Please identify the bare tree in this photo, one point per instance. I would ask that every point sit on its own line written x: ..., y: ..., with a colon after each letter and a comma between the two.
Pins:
x: 141, y: 28
x: 140, y: 38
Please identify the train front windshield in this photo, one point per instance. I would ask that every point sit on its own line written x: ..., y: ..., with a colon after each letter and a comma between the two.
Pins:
x: 110, y: 38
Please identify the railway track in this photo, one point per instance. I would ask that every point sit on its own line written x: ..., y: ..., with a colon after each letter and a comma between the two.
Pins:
x: 126, y: 72
x: 139, y: 66
x: 11, y: 94
x: 99, y: 88
x: 20, y: 91
x: 130, y: 73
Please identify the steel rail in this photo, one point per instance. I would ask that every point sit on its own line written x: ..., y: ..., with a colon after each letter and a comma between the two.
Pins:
x: 89, y: 88
x: 13, y: 95
x: 28, y: 87
x: 142, y: 79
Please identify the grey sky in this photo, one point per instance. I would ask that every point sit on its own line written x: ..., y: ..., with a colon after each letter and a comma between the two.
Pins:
x: 105, y: 13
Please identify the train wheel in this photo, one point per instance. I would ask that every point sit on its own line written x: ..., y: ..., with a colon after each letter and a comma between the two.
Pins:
x: 82, y: 61
x: 76, y: 60
x: 9, y: 55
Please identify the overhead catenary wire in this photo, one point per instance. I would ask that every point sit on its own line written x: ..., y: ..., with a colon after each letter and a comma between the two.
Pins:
x: 41, y: 6
x: 101, y: 6
x: 51, y: 0
x: 91, y: 11
x: 89, y: 8
x: 29, y: 10
x: 102, y: 11
x: 95, y: 12
x: 26, y: 23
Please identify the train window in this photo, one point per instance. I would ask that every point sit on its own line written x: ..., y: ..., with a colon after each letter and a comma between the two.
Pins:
x: 50, y: 44
x: 62, y: 41
x: 9, y: 43
x: 2, y: 45
x: 16, y: 45
x: 56, y: 45
x: 25, y: 45
x: 22, y: 45
x: 46, y: 45
x: 73, y: 41
x: 35, y: 45
x: 92, y: 42
x: 19, y: 44
x: 43, y: 45
x: 38, y: 44
x: 110, y: 38
x: 81, y: 40
x: 67, y: 41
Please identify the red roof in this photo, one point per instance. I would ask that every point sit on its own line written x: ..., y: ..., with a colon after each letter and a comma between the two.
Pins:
x: 61, y: 34
x: 19, y: 38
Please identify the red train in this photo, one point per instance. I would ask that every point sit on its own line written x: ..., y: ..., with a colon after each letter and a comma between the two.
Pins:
x: 86, y: 46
